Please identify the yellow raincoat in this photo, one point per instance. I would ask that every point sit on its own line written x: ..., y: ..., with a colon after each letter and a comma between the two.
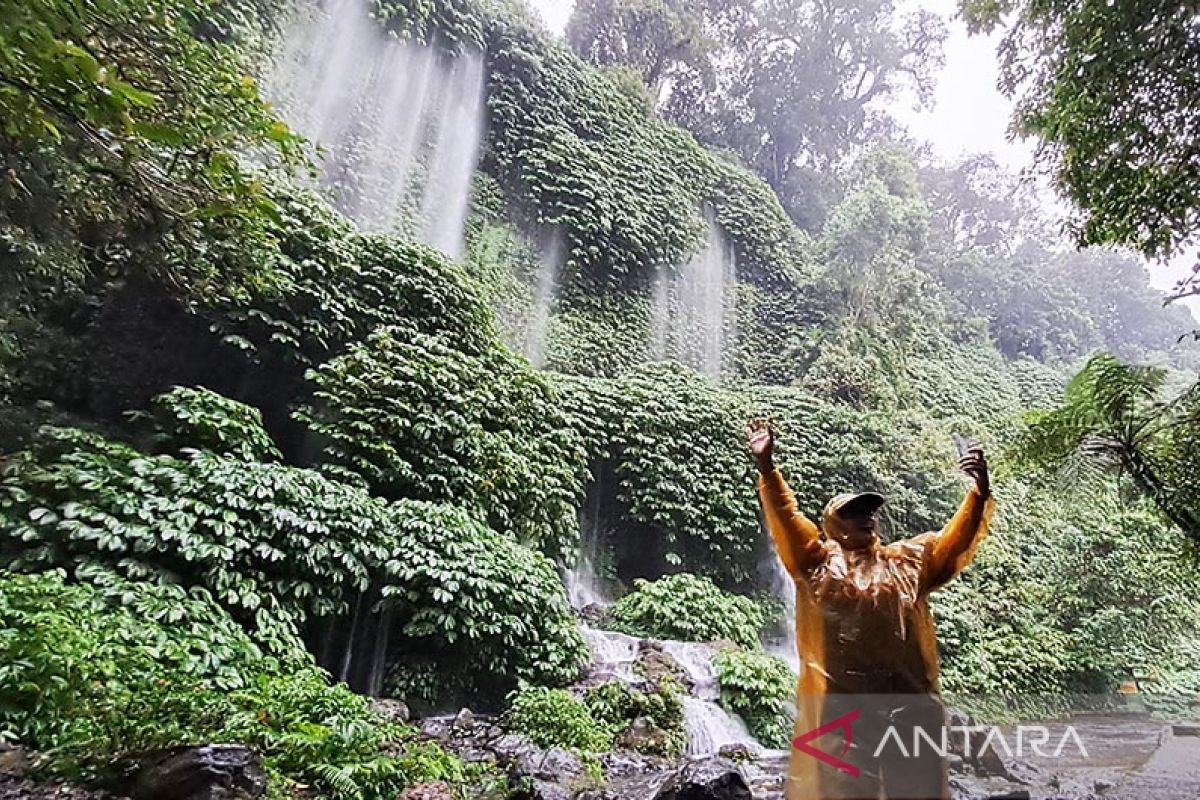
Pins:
x: 863, y: 624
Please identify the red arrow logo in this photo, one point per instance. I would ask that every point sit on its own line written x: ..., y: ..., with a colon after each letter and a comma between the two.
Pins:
x: 843, y: 722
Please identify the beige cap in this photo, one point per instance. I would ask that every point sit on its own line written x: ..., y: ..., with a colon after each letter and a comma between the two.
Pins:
x: 870, y: 501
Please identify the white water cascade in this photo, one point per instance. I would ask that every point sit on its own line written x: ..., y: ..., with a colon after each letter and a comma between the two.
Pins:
x: 584, y: 586
x: 709, y: 726
x: 783, y: 587
x: 694, y: 318
x: 399, y: 125
x: 550, y: 260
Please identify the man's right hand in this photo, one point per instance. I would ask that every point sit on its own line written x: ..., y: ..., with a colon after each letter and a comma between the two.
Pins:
x: 762, y: 443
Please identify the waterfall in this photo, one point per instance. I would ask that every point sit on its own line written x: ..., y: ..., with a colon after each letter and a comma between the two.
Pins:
x: 783, y: 587
x: 459, y: 130
x: 709, y: 726
x: 613, y: 654
x: 550, y: 259
x: 694, y: 316
x: 399, y: 125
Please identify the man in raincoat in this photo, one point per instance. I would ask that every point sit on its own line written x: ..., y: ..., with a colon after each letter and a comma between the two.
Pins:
x: 868, y: 653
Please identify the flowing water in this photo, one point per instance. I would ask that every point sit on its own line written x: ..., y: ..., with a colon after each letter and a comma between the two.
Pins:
x: 783, y: 587
x: 550, y: 260
x: 709, y: 726
x: 694, y: 314
x: 399, y: 125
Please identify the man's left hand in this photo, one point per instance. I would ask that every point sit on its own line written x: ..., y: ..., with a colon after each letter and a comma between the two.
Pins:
x: 975, y: 465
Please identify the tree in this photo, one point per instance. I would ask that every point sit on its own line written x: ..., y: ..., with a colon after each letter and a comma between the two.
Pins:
x: 1113, y: 417
x: 1110, y: 88
x: 661, y: 39
x: 797, y: 84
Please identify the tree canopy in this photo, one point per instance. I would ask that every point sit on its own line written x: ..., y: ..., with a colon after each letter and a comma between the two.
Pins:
x: 1110, y: 88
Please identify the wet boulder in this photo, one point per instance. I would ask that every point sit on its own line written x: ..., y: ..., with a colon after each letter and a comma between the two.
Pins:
x: 707, y: 779
x: 207, y: 772
x: 434, y: 790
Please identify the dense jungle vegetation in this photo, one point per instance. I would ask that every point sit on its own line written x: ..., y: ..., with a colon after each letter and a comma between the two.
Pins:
x: 258, y: 463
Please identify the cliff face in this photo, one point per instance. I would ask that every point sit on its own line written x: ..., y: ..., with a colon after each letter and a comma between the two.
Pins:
x: 506, y: 313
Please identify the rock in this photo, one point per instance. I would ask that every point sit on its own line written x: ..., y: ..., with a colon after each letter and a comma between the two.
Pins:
x: 391, y: 710
x: 635, y: 787
x: 436, y: 727
x: 618, y: 765
x: 553, y: 764
x: 643, y: 736
x: 465, y: 718
x: 1186, y: 729
x: 1101, y: 785
x: 957, y: 718
x: 989, y: 763
x: 511, y: 746
x: 208, y: 772
x: 14, y: 788
x: 737, y: 752
x: 435, y: 790
x: 593, y: 614
x: 14, y: 760
x: 548, y: 790
x: 655, y: 664
x: 708, y: 779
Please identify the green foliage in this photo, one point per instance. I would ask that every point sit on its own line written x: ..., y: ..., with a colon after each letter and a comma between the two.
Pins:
x: 1109, y: 87
x: 491, y: 607
x: 757, y: 686
x: 97, y: 673
x: 676, y: 445
x: 797, y: 80
x: 272, y: 543
x: 620, y: 706
x: 327, y: 737
x: 418, y: 418
x: 658, y: 40
x: 201, y: 418
x: 1113, y: 416
x: 338, y: 285
x: 450, y: 23
x: 670, y: 447
x: 278, y: 545
x: 689, y: 608
x: 575, y: 148
x: 1075, y: 592
x: 124, y: 126
x: 555, y: 718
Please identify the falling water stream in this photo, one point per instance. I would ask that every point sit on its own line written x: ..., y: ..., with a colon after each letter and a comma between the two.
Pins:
x: 694, y: 309
x: 399, y: 124
x: 550, y: 258
x: 709, y: 726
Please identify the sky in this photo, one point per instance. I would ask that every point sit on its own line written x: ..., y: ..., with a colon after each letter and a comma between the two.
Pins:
x: 969, y: 114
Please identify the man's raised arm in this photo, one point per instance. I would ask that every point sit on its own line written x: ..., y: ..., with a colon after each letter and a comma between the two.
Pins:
x: 951, y: 550
x: 796, y: 538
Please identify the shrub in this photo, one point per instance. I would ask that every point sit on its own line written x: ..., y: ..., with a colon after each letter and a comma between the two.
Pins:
x: 95, y: 673
x: 205, y: 420
x: 277, y: 546
x: 757, y: 687
x: 418, y: 418
x: 617, y: 705
x: 688, y: 608
x: 555, y: 718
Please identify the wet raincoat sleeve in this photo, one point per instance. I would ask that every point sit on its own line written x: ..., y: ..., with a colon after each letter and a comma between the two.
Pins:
x: 797, y: 538
x: 950, y: 551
